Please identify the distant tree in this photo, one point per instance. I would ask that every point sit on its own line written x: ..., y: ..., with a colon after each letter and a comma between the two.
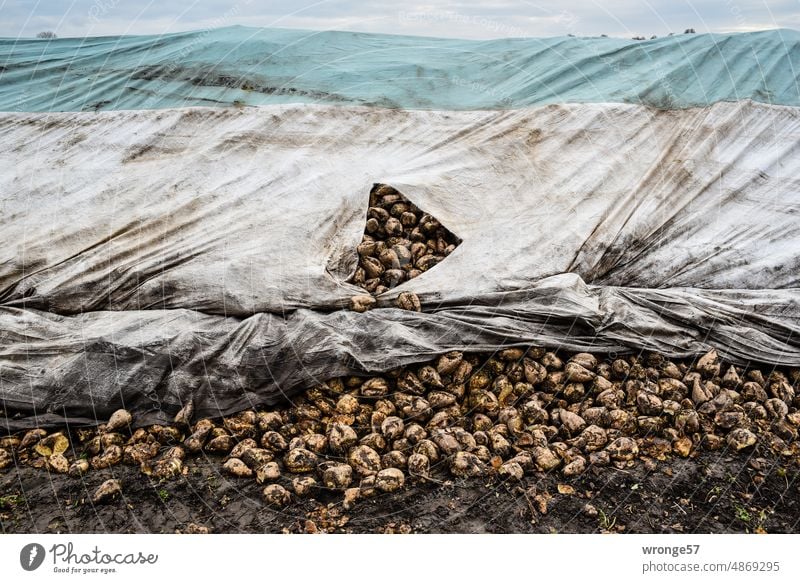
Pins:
x: 46, y: 34
x: 688, y: 31
x: 604, y: 36
x: 653, y: 37
x: 638, y: 38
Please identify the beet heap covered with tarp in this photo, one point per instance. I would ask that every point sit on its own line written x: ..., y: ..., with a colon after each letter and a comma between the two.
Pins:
x: 609, y: 195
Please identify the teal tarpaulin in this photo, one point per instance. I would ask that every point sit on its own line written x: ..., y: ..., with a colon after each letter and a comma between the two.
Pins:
x: 254, y: 66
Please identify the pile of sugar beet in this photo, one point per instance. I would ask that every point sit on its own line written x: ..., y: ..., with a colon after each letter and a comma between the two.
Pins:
x: 494, y: 416
x: 497, y: 416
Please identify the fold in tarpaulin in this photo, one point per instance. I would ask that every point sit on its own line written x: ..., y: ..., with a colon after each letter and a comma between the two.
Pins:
x: 153, y: 257
x: 83, y: 367
x: 257, y: 66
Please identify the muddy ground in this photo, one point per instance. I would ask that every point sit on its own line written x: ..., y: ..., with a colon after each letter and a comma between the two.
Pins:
x: 714, y: 493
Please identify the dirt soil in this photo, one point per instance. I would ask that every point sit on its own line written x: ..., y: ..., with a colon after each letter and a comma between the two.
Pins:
x: 714, y: 493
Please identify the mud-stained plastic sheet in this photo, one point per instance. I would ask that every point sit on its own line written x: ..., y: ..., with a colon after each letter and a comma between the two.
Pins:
x: 153, y: 257
x: 83, y: 367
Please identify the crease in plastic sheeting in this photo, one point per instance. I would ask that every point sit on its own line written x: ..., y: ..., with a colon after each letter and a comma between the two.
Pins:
x: 266, y: 358
x: 342, y: 260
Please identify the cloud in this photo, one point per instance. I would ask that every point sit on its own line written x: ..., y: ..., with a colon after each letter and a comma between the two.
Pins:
x: 448, y: 18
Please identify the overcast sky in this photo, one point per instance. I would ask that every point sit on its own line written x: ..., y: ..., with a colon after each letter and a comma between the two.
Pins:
x: 449, y: 18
